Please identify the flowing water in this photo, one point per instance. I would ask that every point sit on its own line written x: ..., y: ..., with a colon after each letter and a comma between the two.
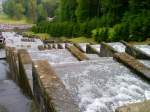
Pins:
x: 54, y: 56
x: 11, y: 97
x: 83, y: 46
x: 118, y: 46
x: 93, y: 56
x: 144, y: 48
x: 145, y: 62
x: 102, y: 86
x: 96, y: 47
x: 14, y: 40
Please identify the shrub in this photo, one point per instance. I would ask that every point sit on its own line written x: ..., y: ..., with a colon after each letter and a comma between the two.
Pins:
x: 101, y: 34
x: 118, y: 32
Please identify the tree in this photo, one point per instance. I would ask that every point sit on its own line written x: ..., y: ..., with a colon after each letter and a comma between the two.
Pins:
x: 67, y: 10
x: 41, y: 13
x: 88, y: 9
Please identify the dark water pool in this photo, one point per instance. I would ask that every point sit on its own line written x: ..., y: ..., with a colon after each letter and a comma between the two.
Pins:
x: 11, y: 97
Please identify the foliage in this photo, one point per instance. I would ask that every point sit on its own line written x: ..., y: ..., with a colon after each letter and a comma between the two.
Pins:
x: 35, y: 10
x: 106, y: 20
x: 101, y: 34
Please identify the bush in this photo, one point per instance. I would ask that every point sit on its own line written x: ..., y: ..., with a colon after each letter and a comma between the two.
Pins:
x: 139, y: 25
x: 67, y: 29
x: 101, y: 34
x: 119, y: 32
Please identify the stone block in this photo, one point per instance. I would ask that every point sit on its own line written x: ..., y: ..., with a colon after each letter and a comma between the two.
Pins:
x: 77, y: 53
x: 133, y: 64
x: 24, y: 77
x: 107, y: 50
x: 135, y: 107
x: 135, y: 52
x: 78, y: 46
x: 50, y: 92
x: 91, y: 50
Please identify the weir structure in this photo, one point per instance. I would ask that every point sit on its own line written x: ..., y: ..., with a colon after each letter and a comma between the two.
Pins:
x: 81, y: 77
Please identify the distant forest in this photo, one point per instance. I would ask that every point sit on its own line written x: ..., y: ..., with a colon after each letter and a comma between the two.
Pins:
x: 105, y: 20
x: 35, y: 10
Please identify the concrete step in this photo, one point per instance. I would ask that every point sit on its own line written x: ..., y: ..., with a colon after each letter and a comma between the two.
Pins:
x: 102, y: 85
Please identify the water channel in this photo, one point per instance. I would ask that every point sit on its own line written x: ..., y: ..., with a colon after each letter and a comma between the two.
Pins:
x: 11, y: 97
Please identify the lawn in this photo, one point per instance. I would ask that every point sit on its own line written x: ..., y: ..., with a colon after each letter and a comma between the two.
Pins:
x: 140, y: 43
x: 42, y: 36
x: 4, y: 19
x: 82, y: 40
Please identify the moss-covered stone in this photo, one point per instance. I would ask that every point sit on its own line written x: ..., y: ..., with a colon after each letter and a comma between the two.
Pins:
x: 24, y: 59
x: 77, y: 53
x: 133, y: 64
x: 107, y: 50
x: 90, y: 50
x: 78, y: 46
x: 41, y: 47
x: 136, y: 52
x: 60, y: 46
x: 3, y: 109
x: 136, y: 107
x: 12, y: 59
x: 50, y: 92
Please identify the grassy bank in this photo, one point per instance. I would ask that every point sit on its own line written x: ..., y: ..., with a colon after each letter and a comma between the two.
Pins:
x: 82, y: 40
x: 44, y: 36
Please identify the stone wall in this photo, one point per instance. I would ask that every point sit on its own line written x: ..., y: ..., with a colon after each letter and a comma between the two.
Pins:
x: 49, y: 91
x: 25, y: 78
x: 91, y: 50
x: 106, y: 50
x: 12, y: 59
x: 133, y: 64
x: 133, y: 51
x: 135, y: 107
x: 78, y: 46
x: 77, y: 53
x: 60, y: 46
x: 17, y: 61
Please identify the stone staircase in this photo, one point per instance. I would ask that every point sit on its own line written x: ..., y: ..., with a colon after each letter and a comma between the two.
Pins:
x: 72, y: 77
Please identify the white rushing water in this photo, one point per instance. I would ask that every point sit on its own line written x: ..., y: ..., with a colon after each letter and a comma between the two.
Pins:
x: 145, y: 62
x: 102, y: 86
x: 96, y: 47
x: 14, y: 40
x: 54, y: 56
x: 144, y: 48
x: 118, y: 46
x: 83, y: 46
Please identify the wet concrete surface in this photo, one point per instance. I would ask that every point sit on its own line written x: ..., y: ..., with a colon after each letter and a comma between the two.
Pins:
x: 11, y: 97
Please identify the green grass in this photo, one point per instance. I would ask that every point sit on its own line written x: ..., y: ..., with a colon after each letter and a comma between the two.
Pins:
x: 140, y: 43
x: 82, y: 40
x: 42, y: 36
x: 4, y: 19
